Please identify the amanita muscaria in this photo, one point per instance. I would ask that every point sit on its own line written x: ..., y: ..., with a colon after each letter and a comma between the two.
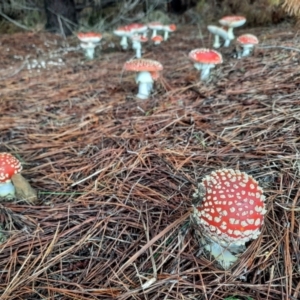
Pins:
x: 9, y: 166
x: 230, y: 213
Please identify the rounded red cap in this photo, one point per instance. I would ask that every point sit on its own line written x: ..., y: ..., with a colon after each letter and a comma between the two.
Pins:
x: 247, y: 39
x: 232, y: 209
x: 89, y: 36
x: 206, y: 56
x: 9, y: 166
x: 232, y: 21
x: 143, y: 64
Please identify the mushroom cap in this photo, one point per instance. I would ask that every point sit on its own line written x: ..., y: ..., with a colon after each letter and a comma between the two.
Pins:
x: 247, y: 39
x: 205, y: 56
x: 139, y: 38
x: 155, y: 25
x: 232, y: 209
x: 143, y: 64
x: 123, y: 31
x: 232, y: 21
x: 9, y: 166
x: 88, y: 37
x: 170, y: 28
x: 218, y: 31
x: 157, y: 39
x: 137, y: 27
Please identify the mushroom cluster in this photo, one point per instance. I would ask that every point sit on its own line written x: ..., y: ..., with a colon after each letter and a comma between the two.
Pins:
x: 230, y: 213
x: 137, y: 33
x: 246, y: 41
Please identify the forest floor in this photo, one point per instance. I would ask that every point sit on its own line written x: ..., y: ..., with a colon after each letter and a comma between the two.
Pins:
x: 115, y: 175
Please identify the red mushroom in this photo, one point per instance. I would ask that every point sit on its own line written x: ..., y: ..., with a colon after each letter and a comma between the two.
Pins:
x: 124, y: 32
x: 231, y: 213
x: 147, y: 71
x: 157, y: 39
x: 247, y: 42
x: 167, y: 29
x: 137, y: 28
x: 9, y: 166
x: 89, y: 41
x: 232, y: 22
x: 205, y: 59
x: 137, y: 41
x: 155, y: 26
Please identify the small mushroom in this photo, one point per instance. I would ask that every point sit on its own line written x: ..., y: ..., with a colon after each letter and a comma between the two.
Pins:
x: 230, y: 213
x: 137, y: 41
x: 232, y: 22
x: 167, y: 29
x: 9, y: 166
x: 205, y: 59
x: 124, y: 32
x: 138, y: 28
x: 247, y: 42
x: 89, y: 41
x: 157, y: 39
x: 147, y: 71
x: 155, y: 26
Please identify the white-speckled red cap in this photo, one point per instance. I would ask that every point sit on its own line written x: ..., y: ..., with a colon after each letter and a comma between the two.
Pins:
x: 232, y: 21
x: 143, y: 64
x: 155, y: 25
x: 233, y: 208
x: 205, y: 56
x: 86, y: 37
x: 9, y: 166
x: 137, y: 27
x: 247, y: 39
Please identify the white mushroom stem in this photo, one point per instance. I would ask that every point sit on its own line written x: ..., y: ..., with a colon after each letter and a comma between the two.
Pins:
x: 227, y: 43
x: 230, y: 33
x: 145, y: 33
x: 221, y: 254
x: 145, y: 82
x: 246, y: 49
x: 204, y: 69
x: 154, y: 33
x: 7, y: 190
x: 89, y: 49
x: 138, y: 48
x: 124, y: 42
x: 166, y: 35
x: 217, y: 43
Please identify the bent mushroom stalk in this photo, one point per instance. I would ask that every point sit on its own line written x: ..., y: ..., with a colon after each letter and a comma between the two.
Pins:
x: 147, y: 71
x: 230, y: 213
x: 219, y: 32
x: 9, y: 166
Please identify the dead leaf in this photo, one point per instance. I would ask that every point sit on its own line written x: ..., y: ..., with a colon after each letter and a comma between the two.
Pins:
x: 23, y: 189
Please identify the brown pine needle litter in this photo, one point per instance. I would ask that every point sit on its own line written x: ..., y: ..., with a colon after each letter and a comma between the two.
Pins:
x: 115, y: 175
